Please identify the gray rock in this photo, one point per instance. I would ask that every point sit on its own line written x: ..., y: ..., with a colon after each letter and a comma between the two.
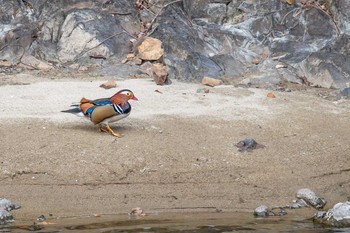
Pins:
x: 41, y: 218
x: 327, y: 69
x: 341, y: 10
x: 248, y: 144
x: 338, y: 216
x: 340, y: 211
x: 299, y: 203
x: 86, y: 32
x: 311, y: 198
x: 5, y: 216
x: 212, y: 12
x: 261, y: 211
x: 346, y: 93
x: 234, y: 14
x: 229, y: 66
x: 8, y: 205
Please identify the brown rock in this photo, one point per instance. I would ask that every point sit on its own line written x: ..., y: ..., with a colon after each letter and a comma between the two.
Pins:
x: 137, y: 212
x: 83, y: 68
x: 150, y: 49
x: 271, y: 95
x: 31, y: 61
x: 203, y: 90
x: 160, y: 73
x: 130, y: 56
x: 256, y: 61
x: 5, y: 63
x: 147, y: 68
x: 137, y: 61
x: 109, y: 84
x: 290, y: 2
x: 212, y: 82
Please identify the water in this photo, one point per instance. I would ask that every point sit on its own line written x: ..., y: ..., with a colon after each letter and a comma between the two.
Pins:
x: 175, y: 222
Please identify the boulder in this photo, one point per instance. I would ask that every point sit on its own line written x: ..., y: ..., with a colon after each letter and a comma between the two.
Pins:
x: 150, y: 49
x: 85, y: 33
x: 338, y: 216
x: 311, y: 198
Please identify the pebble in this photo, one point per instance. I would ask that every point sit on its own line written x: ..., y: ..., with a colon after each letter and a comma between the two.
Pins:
x: 248, y: 144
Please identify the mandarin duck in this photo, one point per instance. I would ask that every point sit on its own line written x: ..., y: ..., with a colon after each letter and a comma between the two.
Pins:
x: 105, y: 110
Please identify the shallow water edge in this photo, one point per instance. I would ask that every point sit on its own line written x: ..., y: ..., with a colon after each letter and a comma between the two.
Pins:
x: 173, y: 222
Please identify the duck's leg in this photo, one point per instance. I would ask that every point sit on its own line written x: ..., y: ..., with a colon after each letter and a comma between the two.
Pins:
x: 109, y: 130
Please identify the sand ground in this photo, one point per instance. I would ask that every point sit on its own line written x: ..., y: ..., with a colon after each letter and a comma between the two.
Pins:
x: 178, y: 151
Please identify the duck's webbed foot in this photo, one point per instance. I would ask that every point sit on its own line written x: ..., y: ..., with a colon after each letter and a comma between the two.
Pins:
x: 107, y: 129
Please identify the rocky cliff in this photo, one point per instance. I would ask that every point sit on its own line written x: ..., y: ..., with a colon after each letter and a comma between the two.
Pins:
x: 250, y: 42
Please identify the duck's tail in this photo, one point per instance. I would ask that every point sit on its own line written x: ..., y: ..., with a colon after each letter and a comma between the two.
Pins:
x: 76, y: 111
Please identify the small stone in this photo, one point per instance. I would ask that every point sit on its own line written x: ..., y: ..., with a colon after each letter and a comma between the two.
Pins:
x: 320, y: 214
x: 160, y: 73
x: 137, y: 212
x: 44, y: 66
x: 32, y: 61
x: 299, y: 203
x: 256, y: 61
x: 41, y: 218
x: 83, y: 68
x: 271, y: 95
x: 290, y: 2
x: 280, y: 66
x: 109, y: 84
x: 203, y: 90
x: 261, y: 211
x: 137, y: 61
x: 346, y: 93
x: 5, y: 63
x: 212, y: 82
x: 74, y: 66
x: 248, y: 144
x: 130, y: 56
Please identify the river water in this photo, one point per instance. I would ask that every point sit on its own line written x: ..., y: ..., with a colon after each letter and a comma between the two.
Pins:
x: 174, y: 222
